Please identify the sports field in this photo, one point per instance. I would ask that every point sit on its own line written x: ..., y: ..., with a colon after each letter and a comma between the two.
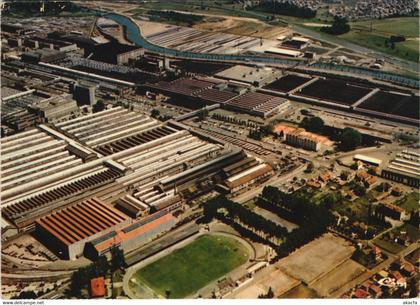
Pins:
x: 192, y: 267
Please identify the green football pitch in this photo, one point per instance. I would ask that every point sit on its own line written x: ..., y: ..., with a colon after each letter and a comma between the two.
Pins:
x: 192, y: 267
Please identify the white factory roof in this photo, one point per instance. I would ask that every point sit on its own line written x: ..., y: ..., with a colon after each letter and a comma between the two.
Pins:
x: 281, y: 37
x: 282, y: 51
x: 247, y: 172
x: 303, y: 39
x: 257, y: 266
x: 367, y: 159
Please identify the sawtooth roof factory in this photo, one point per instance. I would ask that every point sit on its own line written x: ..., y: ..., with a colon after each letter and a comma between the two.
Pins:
x: 117, y: 158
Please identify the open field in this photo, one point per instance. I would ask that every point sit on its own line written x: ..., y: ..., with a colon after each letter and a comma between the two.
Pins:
x: 337, y: 278
x: 374, y: 38
x: 190, y: 268
x: 277, y: 280
x: 407, y: 26
x: 316, y: 258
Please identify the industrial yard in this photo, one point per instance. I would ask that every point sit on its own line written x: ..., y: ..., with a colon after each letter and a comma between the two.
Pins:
x: 213, y: 150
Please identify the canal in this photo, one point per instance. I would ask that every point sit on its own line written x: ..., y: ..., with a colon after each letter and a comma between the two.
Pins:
x: 133, y: 34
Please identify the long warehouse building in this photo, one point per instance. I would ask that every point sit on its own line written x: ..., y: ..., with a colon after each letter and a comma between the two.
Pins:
x: 68, y: 230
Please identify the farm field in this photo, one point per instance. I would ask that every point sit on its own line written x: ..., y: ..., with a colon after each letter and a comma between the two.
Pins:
x: 337, y: 278
x: 316, y: 258
x: 300, y: 292
x: 192, y: 267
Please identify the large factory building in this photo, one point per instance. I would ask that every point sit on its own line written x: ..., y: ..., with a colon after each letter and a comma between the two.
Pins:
x: 119, y: 157
x: 68, y: 230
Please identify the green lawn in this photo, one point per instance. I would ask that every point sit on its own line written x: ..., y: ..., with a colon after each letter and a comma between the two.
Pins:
x: 407, y: 26
x: 389, y: 246
x: 362, y: 34
x: 386, y: 243
x: 358, y: 208
x: 412, y: 232
x: 190, y: 268
x: 408, y: 49
x: 410, y: 202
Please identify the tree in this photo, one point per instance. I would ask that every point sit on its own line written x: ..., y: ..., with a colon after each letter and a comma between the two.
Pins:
x: 117, y: 259
x: 255, y: 134
x: 102, y: 266
x: 329, y: 200
x: 309, y: 168
x: 314, y: 124
x: 412, y: 284
x: 340, y: 26
x: 267, y: 129
x: 349, y: 139
x: 359, y: 189
x: 202, y: 114
x: 155, y: 113
x: 99, y: 106
x: 27, y: 295
x: 78, y: 280
x: 344, y: 175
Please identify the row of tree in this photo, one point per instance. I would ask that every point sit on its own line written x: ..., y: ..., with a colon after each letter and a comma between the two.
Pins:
x: 312, y: 219
x: 189, y: 19
x: 155, y: 113
x: 33, y: 8
x: 233, y: 120
x: 261, y: 132
x: 222, y: 208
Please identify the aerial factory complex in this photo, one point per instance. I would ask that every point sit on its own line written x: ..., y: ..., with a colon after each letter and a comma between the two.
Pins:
x: 210, y: 149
